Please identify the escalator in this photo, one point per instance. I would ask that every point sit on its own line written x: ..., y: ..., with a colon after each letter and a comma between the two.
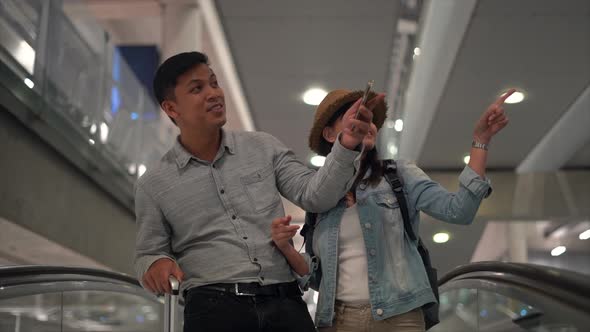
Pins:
x: 512, y: 297
x: 489, y: 296
x: 65, y: 299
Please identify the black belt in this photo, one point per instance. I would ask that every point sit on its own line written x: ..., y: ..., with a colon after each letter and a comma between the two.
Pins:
x: 285, y: 289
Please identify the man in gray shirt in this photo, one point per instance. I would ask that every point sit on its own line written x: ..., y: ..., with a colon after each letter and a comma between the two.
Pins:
x: 204, y: 210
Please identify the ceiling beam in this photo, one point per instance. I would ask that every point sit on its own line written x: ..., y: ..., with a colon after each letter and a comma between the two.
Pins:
x: 566, y: 137
x: 226, y: 63
x: 444, y: 26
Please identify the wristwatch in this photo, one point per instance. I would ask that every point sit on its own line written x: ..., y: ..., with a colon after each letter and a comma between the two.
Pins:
x: 479, y: 145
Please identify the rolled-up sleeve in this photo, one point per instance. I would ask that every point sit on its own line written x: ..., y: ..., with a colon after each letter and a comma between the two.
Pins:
x: 433, y: 199
x: 481, y: 187
x: 312, y: 264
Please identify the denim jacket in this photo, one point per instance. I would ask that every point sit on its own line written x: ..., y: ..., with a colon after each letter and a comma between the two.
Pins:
x: 397, y: 279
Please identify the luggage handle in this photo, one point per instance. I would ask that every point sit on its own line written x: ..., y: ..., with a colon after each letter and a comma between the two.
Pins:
x: 171, y: 305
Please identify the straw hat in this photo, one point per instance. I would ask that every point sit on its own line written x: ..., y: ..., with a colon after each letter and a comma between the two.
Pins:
x: 331, y: 103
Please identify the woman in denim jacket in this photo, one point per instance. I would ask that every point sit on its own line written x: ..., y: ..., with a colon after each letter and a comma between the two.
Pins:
x: 369, y: 274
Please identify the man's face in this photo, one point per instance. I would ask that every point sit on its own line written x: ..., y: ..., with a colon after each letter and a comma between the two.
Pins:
x: 199, y: 101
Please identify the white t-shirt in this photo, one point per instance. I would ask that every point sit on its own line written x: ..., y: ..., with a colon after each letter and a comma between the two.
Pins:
x: 353, y: 280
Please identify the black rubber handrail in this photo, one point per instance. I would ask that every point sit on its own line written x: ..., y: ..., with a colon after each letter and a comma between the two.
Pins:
x: 561, y: 279
x: 63, y: 273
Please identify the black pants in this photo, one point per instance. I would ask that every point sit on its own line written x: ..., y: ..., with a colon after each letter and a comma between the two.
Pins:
x: 211, y: 311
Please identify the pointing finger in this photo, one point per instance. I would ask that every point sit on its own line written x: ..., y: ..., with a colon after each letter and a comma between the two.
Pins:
x: 505, y: 96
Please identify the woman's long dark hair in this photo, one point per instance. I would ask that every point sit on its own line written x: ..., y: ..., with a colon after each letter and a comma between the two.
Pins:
x: 370, y: 162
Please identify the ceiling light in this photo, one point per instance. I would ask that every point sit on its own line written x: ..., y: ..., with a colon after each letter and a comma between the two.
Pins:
x: 318, y: 161
x: 585, y: 235
x: 466, y: 159
x: 141, y: 169
x: 399, y: 125
x: 29, y: 83
x: 132, y: 168
x: 93, y: 129
x: 440, y: 237
x: 558, y: 251
x: 314, y: 96
x: 515, y: 98
x: 417, y: 51
x: 25, y: 55
x: 91, y: 141
x: 392, y: 149
x: 104, y: 132
x: 43, y: 317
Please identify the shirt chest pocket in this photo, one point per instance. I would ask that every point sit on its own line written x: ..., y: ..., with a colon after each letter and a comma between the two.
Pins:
x: 388, y: 209
x: 386, y: 201
x: 261, y: 189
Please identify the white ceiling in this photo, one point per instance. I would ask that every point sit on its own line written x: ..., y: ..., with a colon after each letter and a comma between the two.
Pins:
x: 540, y: 46
x: 282, y: 48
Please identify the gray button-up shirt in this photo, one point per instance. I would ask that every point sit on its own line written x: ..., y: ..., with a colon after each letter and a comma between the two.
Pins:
x: 214, y: 218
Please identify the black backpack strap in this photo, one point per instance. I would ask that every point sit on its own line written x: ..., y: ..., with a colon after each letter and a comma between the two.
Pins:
x: 307, y: 230
x: 390, y: 173
x: 429, y: 310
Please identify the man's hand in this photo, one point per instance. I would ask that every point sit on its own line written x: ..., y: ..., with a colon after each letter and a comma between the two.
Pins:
x: 492, y: 120
x: 281, y: 232
x: 354, y: 130
x: 156, y: 277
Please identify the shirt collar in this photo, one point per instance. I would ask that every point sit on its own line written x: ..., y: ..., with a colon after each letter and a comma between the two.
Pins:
x: 227, y: 140
x: 183, y: 156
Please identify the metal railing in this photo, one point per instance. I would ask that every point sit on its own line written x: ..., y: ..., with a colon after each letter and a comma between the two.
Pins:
x: 52, y: 298
x: 497, y: 296
x: 68, y: 82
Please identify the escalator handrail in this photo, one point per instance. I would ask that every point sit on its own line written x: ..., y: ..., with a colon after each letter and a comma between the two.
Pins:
x: 62, y: 273
x: 564, y: 280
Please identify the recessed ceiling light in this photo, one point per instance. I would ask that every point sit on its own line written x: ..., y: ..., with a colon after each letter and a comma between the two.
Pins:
x: 417, y: 51
x: 29, y: 83
x: 392, y: 149
x: 141, y: 169
x: 104, y: 132
x: 515, y: 98
x: 466, y: 159
x: 318, y: 161
x: 399, y: 125
x: 558, y: 251
x: 585, y: 235
x: 132, y: 169
x: 314, y: 96
x: 440, y: 237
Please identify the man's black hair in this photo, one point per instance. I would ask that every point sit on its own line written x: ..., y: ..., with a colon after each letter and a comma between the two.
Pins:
x: 170, y: 70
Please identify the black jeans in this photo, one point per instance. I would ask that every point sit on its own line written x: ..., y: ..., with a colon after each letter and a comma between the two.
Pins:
x: 212, y: 311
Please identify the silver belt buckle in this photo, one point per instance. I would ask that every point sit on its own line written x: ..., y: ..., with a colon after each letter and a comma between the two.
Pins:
x: 238, y: 293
